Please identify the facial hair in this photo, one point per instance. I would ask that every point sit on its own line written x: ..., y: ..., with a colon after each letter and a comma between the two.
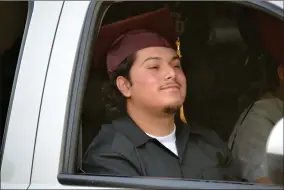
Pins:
x: 171, y: 110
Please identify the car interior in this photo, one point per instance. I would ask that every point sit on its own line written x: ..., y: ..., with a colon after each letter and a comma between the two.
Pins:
x: 226, y: 65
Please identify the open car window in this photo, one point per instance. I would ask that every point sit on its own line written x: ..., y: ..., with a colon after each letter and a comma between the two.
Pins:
x: 219, y: 96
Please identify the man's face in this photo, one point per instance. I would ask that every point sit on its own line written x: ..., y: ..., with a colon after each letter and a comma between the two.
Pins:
x: 157, y: 80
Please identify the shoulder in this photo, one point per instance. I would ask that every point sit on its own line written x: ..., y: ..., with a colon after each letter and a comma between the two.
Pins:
x: 261, y: 117
x: 267, y: 106
x: 110, y: 140
x: 108, y: 154
x: 263, y: 114
x: 103, y: 141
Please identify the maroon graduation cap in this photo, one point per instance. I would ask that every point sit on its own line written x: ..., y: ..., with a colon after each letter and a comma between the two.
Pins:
x: 118, y: 40
x: 271, y: 31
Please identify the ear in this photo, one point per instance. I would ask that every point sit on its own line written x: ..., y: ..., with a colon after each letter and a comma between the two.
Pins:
x: 123, y: 86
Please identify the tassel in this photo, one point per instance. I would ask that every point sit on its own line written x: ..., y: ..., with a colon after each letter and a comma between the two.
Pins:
x: 182, y: 116
x: 181, y: 113
x: 178, y: 48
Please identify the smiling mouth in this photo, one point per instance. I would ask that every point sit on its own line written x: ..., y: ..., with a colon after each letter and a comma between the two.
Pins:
x: 170, y: 87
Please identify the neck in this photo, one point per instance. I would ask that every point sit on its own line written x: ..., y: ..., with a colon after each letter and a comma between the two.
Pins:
x: 156, y: 125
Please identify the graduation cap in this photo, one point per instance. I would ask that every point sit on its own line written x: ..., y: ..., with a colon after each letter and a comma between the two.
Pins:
x: 271, y: 30
x: 117, y: 41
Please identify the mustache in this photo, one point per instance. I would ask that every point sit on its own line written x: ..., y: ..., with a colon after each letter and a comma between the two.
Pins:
x: 170, y: 84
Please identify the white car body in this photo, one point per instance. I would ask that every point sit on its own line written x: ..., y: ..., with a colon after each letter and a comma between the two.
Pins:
x: 38, y: 108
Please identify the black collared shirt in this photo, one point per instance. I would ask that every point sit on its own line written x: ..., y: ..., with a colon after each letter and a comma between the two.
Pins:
x: 123, y: 149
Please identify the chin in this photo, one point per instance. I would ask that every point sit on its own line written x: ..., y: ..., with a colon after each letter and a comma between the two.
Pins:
x: 174, y: 102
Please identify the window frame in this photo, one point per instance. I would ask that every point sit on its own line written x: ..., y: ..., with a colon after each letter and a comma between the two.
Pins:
x: 83, y: 66
x: 94, y: 16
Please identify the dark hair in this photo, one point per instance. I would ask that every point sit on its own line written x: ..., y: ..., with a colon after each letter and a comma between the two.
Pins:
x: 115, y: 102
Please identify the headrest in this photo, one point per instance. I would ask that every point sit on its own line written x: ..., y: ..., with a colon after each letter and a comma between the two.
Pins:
x: 225, y: 31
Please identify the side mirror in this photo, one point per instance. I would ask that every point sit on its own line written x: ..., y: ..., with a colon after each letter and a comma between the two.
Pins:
x: 274, y: 154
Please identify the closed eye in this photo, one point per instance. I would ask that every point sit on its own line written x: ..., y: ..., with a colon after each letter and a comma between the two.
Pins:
x: 177, y: 65
x: 153, y: 67
x: 176, y: 62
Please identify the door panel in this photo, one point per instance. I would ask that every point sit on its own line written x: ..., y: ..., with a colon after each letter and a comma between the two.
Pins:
x: 51, y: 129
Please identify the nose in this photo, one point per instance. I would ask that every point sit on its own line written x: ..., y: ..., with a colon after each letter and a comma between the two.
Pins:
x: 170, y: 72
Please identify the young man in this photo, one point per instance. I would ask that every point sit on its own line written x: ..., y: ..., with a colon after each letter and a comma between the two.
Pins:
x: 148, y: 88
x: 248, y: 140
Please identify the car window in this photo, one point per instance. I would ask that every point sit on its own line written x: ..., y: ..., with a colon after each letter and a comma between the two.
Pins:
x: 217, y: 98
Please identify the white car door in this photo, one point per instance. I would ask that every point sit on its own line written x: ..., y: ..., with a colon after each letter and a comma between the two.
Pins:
x: 25, y: 104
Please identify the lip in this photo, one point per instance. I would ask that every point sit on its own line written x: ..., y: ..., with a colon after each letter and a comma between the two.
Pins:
x: 173, y: 86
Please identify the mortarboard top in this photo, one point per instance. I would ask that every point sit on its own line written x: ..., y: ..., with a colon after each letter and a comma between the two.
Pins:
x: 118, y: 40
x: 271, y: 31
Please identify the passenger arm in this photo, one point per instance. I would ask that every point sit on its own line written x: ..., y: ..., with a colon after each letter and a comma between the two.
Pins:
x: 251, y: 146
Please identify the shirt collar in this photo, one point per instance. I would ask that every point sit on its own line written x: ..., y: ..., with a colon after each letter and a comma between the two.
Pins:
x: 171, y: 136
x: 130, y: 129
x: 133, y: 132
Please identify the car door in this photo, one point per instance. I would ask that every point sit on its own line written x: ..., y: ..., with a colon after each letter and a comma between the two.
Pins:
x: 59, y: 114
x: 25, y: 102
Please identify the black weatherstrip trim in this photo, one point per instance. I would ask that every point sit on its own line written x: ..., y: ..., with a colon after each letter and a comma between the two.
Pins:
x: 54, y: 37
x: 95, y: 12
x: 28, y: 20
x: 76, y: 93
x: 154, y: 183
x: 264, y: 6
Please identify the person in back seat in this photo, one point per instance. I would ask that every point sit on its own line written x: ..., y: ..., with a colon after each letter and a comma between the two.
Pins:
x: 248, y: 140
x: 148, y: 88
